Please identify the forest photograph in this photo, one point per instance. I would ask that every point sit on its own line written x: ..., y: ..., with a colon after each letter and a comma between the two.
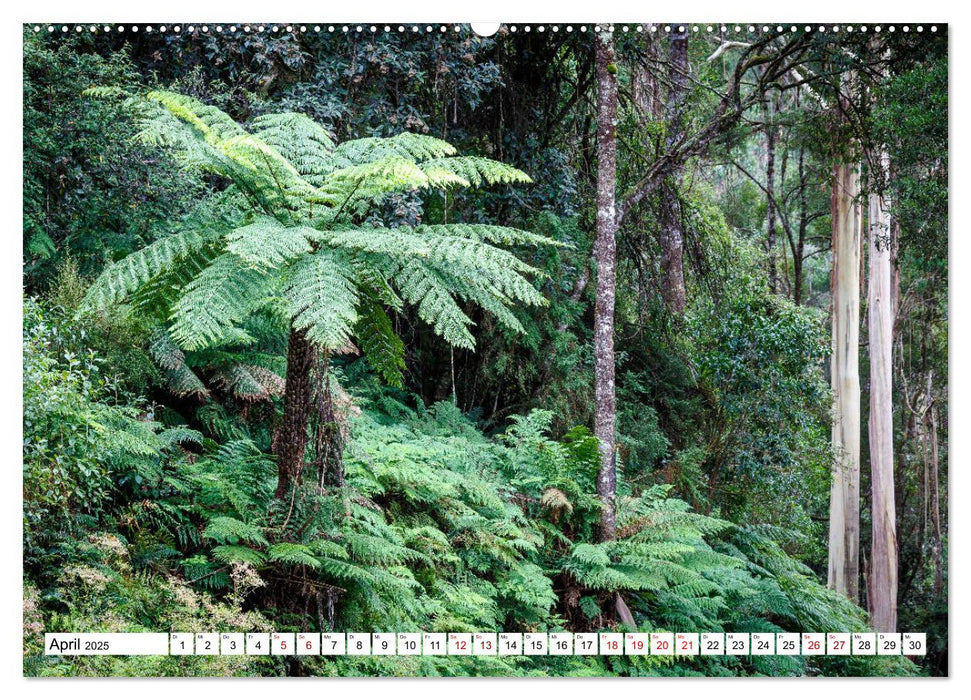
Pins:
x: 579, y: 330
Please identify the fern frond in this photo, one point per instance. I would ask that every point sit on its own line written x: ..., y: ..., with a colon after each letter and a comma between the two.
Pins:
x: 229, y: 553
x: 301, y: 140
x: 429, y: 291
x: 226, y: 530
x: 476, y: 170
x: 216, y: 301
x: 123, y: 278
x: 237, y: 380
x: 380, y: 344
x: 291, y: 553
x: 210, y: 122
x: 105, y: 92
x: 406, y: 145
x: 322, y: 298
x: 487, y: 233
x: 266, y: 243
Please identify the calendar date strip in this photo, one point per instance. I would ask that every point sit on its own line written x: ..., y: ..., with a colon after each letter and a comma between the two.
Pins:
x: 485, y: 644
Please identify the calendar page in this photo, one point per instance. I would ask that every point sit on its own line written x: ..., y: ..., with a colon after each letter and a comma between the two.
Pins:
x: 553, y: 349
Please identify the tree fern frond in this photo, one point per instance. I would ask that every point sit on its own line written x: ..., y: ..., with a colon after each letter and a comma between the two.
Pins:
x: 301, y: 140
x: 487, y: 233
x: 380, y: 344
x: 429, y: 291
x: 406, y: 145
x: 273, y: 384
x: 268, y: 175
x: 165, y: 352
x: 123, y: 278
x: 229, y: 553
x: 182, y: 381
x: 266, y: 243
x: 476, y: 170
x: 226, y: 530
x: 237, y: 380
x: 322, y: 298
x: 292, y: 553
x: 216, y: 301
x: 211, y: 123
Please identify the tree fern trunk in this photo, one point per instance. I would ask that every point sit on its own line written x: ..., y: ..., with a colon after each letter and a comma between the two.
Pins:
x: 605, y: 252
x: 290, y: 441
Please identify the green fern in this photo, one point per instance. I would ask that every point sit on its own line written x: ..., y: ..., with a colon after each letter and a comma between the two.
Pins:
x: 291, y: 553
x: 226, y: 530
x: 302, y: 246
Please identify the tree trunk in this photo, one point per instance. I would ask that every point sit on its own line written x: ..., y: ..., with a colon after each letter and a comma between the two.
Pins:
x: 799, y: 252
x: 290, y: 440
x: 671, y: 236
x: 644, y: 84
x: 770, y: 214
x: 605, y: 252
x: 937, y: 546
x: 883, y: 604
x: 844, y: 508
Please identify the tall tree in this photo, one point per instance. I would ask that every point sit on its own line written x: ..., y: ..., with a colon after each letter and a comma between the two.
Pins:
x: 670, y: 219
x: 605, y: 253
x: 844, y: 508
x: 771, y: 137
x: 883, y: 559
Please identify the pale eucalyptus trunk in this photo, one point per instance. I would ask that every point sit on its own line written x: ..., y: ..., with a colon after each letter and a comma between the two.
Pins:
x: 883, y: 556
x: 844, y: 508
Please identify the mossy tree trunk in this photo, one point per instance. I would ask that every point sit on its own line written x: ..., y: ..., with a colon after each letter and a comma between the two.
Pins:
x: 605, y: 253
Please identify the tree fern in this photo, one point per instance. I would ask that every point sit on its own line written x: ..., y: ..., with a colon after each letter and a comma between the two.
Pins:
x: 307, y: 198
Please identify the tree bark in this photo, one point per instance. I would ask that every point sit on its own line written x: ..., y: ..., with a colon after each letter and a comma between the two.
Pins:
x: 671, y: 236
x: 883, y: 604
x: 644, y: 82
x: 798, y: 253
x: 937, y: 546
x: 770, y: 213
x: 605, y: 253
x: 844, y: 508
x: 290, y: 440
